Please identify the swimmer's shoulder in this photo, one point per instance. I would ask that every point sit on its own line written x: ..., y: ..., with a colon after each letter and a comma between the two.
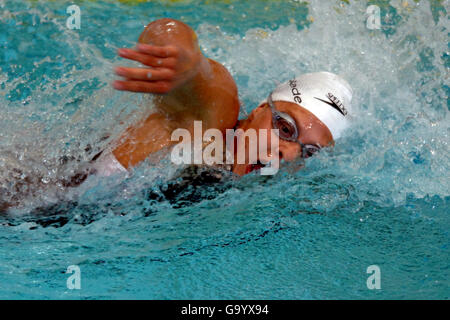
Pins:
x: 223, y: 92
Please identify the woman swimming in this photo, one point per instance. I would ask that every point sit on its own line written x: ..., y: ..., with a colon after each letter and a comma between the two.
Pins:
x: 310, y: 111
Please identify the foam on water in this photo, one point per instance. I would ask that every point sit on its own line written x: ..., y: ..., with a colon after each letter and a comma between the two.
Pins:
x: 400, y: 138
x: 387, y: 175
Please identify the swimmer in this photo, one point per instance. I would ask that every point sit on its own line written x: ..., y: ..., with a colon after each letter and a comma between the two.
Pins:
x: 310, y: 111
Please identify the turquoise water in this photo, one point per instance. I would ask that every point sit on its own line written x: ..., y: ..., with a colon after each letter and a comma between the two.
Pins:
x: 380, y: 197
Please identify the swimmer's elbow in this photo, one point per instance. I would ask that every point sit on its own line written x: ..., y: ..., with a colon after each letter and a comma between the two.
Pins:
x: 167, y: 31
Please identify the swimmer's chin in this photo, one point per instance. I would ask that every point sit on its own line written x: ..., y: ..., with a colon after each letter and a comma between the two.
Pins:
x: 240, y: 169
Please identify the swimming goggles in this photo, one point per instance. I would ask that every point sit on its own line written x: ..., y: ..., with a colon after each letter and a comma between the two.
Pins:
x: 288, y: 129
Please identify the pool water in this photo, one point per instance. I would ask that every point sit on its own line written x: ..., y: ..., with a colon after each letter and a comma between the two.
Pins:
x: 380, y: 197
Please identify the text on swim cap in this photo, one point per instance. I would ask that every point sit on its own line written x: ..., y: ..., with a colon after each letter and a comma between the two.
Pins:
x: 338, y: 103
x: 294, y: 91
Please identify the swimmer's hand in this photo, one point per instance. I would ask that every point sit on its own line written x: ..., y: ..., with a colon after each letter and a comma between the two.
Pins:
x: 166, y: 68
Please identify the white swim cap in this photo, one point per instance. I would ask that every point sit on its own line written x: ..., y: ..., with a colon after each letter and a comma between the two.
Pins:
x: 324, y: 94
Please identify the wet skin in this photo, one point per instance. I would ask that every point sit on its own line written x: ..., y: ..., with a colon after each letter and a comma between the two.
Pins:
x: 311, y: 131
x: 191, y: 87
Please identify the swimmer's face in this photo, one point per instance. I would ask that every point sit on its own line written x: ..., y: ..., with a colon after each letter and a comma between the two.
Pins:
x: 311, y: 131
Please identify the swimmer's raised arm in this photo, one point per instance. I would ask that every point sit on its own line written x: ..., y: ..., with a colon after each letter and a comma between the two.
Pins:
x: 190, y: 87
x: 169, y: 51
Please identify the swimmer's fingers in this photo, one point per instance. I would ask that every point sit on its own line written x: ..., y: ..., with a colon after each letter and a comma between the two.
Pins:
x: 160, y: 87
x: 157, y: 51
x: 146, y: 74
x: 146, y: 59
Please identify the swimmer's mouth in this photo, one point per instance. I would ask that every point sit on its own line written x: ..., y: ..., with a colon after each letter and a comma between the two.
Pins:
x: 254, y: 167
